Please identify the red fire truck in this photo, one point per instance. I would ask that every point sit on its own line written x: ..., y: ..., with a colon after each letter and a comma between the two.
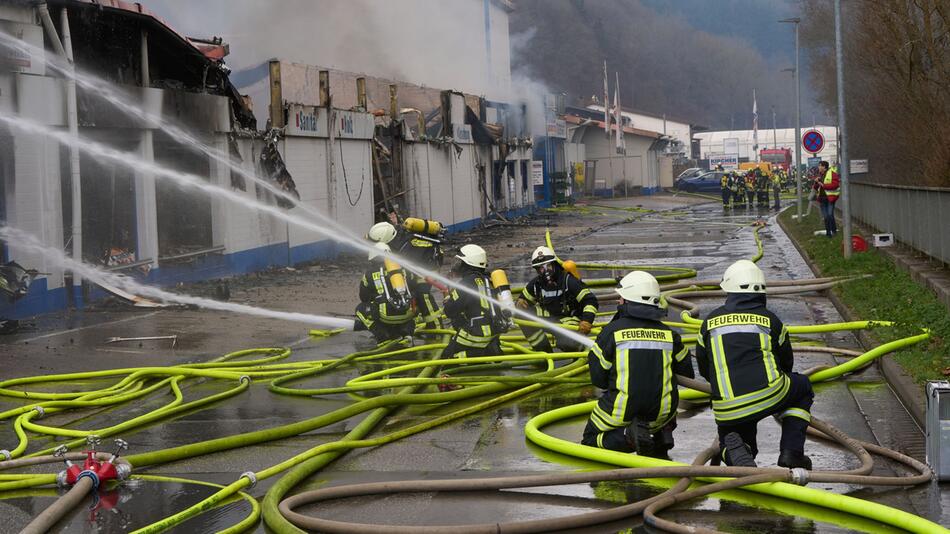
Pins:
x: 778, y: 157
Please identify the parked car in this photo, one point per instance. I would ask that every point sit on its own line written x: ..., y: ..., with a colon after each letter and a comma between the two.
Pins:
x: 706, y: 182
x: 689, y: 173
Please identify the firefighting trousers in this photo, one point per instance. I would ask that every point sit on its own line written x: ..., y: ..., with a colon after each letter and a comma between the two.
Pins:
x: 539, y: 340
x: 616, y: 439
x: 459, y: 350
x: 793, y: 411
x: 726, y: 194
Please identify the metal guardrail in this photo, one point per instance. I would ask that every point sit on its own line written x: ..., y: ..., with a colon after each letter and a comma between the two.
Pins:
x: 917, y: 216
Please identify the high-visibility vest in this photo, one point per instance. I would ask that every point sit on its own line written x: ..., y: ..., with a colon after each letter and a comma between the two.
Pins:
x: 832, y: 193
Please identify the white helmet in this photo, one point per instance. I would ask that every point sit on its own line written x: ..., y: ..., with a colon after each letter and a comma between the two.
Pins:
x: 382, y: 232
x: 640, y: 287
x: 541, y: 256
x: 474, y: 256
x: 378, y: 248
x: 743, y: 276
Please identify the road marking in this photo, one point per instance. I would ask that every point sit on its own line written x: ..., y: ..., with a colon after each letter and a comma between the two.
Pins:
x: 117, y: 321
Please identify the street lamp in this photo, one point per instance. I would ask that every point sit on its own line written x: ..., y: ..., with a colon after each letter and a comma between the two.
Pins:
x: 798, y: 120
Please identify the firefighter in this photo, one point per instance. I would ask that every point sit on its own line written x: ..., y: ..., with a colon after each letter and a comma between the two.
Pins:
x: 762, y: 187
x: 777, y: 179
x: 559, y: 296
x: 744, y: 351
x: 724, y: 188
x: 385, y: 307
x: 750, y: 188
x: 478, y: 321
x: 738, y: 191
x: 635, y: 361
x: 423, y: 250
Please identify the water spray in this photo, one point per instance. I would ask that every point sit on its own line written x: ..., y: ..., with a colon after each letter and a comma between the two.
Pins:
x: 30, y: 242
x: 105, y: 91
x: 336, y: 232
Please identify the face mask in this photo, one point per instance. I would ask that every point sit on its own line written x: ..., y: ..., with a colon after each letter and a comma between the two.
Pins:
x: 546, y: 272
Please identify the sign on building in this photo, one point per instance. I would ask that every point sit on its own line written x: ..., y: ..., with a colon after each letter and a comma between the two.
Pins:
x: 730, y: 145
x: 354, y: 124
x: 728, y: 161
x: 307, y: 121
x: 557, y: 128
x: 858, y: 166
x: 537, y: 172
x: 813, y: 162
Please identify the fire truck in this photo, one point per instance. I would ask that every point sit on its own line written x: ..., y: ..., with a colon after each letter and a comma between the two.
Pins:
x: 778, y: 157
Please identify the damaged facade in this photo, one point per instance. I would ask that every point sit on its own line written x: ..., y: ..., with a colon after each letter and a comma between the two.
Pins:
x: 353, y: 149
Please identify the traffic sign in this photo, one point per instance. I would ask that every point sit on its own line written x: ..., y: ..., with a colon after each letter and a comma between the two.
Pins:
x: 813, y: 141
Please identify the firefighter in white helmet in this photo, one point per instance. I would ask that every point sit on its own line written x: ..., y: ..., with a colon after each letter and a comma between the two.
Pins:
x: 423, y: 249
x: 557, y: 295
x: 744, y: 351
x: 635, y: 361
x: 385, y: 307
x: 478, y: 321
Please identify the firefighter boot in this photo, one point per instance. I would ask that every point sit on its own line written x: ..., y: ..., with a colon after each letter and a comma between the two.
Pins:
x: 792, y: 459
x: 737, y: 453
x: 663, y: 441
x: 639, y: 438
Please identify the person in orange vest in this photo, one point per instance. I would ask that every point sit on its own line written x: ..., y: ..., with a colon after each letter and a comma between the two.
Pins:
x: 828, y: 187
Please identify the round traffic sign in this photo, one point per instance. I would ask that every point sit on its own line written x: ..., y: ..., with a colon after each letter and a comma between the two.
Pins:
x: 813, y: 141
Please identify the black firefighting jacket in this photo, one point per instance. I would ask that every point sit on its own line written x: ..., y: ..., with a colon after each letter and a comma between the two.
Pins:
x: 377, y: 292
x: 569, y: 297
x: 477, y: 320
x: 634, y: 359
x: 744, y: 352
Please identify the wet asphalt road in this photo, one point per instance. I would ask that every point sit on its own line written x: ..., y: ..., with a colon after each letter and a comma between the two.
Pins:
x: 489, y: 443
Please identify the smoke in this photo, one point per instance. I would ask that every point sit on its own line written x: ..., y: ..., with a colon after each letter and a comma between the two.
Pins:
x: 427, y: 42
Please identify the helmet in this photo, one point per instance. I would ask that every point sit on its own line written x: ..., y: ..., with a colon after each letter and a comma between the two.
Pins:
x: 474, y: 256
x: 541, y: 256
x: 640, y: 287
x: 743, y: 276
x: 383, y: 232
x: 378, y: 248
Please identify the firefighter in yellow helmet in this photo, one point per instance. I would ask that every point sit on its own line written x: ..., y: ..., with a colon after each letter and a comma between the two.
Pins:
x: 635, y: 361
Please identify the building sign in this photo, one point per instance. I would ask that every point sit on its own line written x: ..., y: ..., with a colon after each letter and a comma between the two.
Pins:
x: 813, y: 162
x: 537, y: 172
x: 858, y: 166
x: 462, y: 133
x: 728, y: 161
x: 557, y: 128
x: 29, y: 59
x: 307, y: 121
x: 354, y: 124
x: 730, y: 145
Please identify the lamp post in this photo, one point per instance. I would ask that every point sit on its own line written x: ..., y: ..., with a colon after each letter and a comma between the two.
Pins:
x: 798, y: 121
x: 843, y: 164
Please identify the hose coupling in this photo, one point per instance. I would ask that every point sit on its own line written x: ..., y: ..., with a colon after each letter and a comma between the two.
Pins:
x: 6, y: 455
x: 123, y: 471
x: 798, y: 475
x: 93, y: 441
x: 250, y: 476
x: 61, y: 479
x: 91, y: 475
x: 245, y: 378
x: 40, y: 412
x: 60, y: 451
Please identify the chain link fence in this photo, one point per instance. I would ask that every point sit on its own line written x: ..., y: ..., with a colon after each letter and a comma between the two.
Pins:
x: 917, y: 216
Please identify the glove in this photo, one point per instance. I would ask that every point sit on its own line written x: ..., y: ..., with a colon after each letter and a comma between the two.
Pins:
x: 522, y: 304
x: 583, y: 328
